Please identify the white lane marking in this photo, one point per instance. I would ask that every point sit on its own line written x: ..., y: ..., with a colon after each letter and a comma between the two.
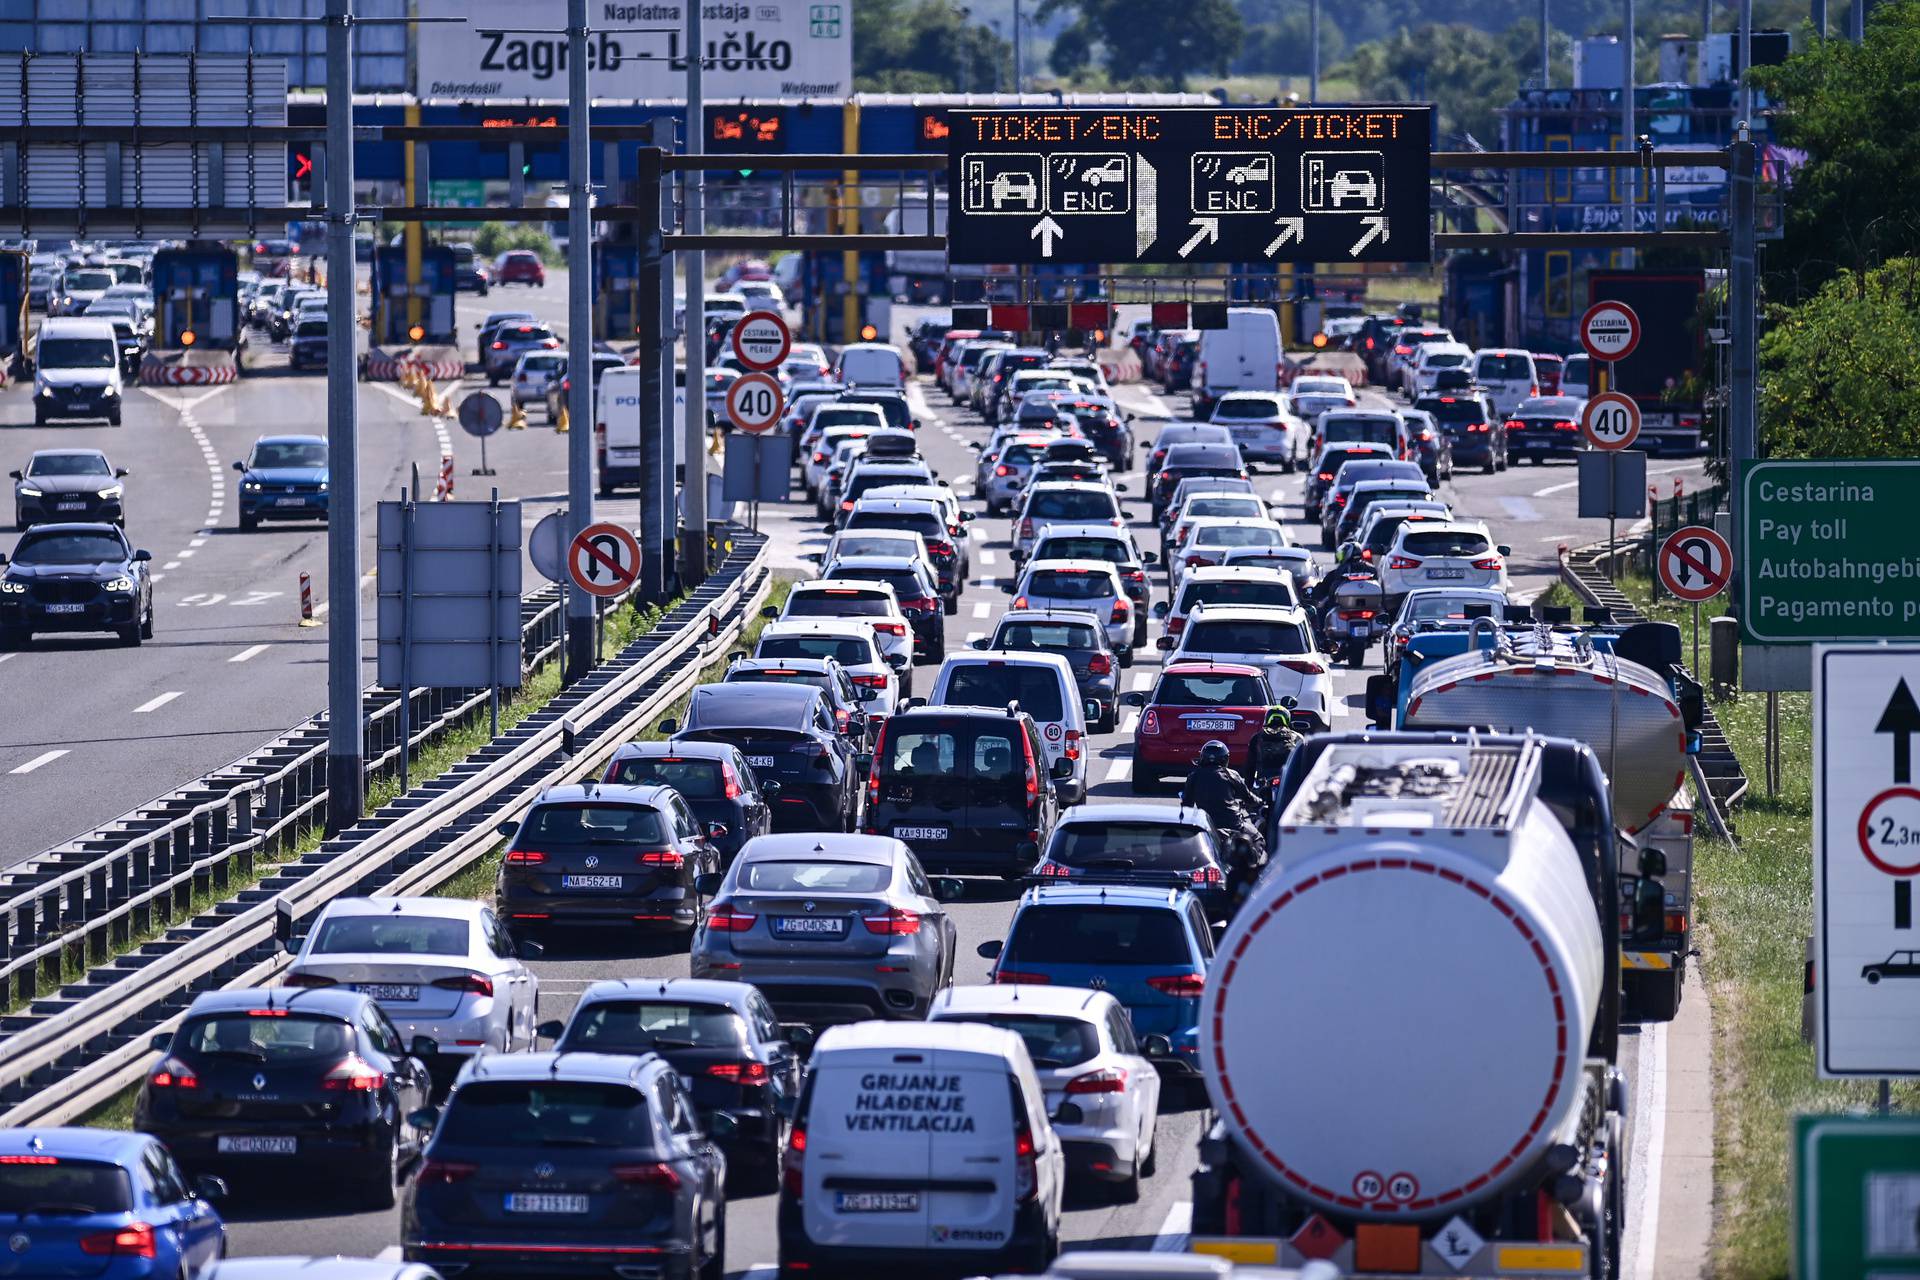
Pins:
x: 183, y: 554
x: 975, y: 635
x: 1174, y: 1230
x: 1120, y: 770
x: 981, y: 609
x: 198, y: 542
x: 154, y: 704
x: 1552, y: 489
x: 1141, y: 680
x: 1646, y: 1224
x: 389, y: 1254
x: 1129, y: 722
x: 171, y: 564
x: 8, y: 657
x: 991, y: 584
x: 1520, y: 509
x: 987, y: 557
x: 251, y: 651
x: 46, y: 757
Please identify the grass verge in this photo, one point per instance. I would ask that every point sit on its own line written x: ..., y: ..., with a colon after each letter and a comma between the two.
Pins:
x: 1753, y: 907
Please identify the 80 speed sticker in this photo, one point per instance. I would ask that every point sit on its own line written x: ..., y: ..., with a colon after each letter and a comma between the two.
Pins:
x: 1371, y: 1186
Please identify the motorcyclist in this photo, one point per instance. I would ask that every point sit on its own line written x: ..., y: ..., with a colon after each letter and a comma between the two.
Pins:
x: 1275, y: 742
x: 1214, y: 788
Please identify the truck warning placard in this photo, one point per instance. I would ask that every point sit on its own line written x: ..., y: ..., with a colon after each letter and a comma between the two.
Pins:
x: 1190, y: 184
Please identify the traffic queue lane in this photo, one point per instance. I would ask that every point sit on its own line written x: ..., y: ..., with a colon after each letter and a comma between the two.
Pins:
x: 288, y: 1222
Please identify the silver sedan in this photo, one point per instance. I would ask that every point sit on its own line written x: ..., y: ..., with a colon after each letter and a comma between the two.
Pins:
x: 830, y: 927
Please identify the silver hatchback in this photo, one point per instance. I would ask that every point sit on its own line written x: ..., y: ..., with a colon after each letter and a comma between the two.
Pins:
x: 830, y: 927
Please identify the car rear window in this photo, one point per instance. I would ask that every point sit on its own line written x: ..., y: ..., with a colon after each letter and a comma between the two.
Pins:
x: 894, y: 411
x: 1106, y: 934
x: 1123, y: 846
x: 1073, y: 504
x: 1444, y: 542
x: 1437, y: 608
x: 995, y: 684
x: 872, y: 542
x: 983, y: 751
x: 815, y: 877
x: 60, y: 1184
x: 545, y: 1113
x: 1234, y: 592
x: 1353, y: 427
x: 1051, y: 1042
x: 1249, y: 407
x: 1237, y: 505
x: 1112, y: 550
x: 924, y: 523
x: 1309, y: 404
x: 1505, y: 368
x: 1042, y: 637
x: 1456, y: 409
x: 640, y: 1026
x: 391, y: 934
x: 1196, y: 690
x: 586, y: 824
x: 845, y: 650
x: 1239, y: 535
x: 1016, y: 454
x: 906, y: 585
x: 694, y: 779
x: 1245, y: 636
x: 1445, y: 360
x: 1331, y: 464
x: 846, y: 416
x: 269, y: 1036
x: 1070, y: 584
x: 879, y: 479
x: 837, y: 602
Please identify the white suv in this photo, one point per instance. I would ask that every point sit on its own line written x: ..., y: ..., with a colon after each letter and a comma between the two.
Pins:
x: 1276, y: 640
x: 1444, y: 553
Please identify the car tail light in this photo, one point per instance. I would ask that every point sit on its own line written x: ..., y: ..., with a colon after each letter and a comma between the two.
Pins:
x: 1534, y: 390
x: 1033, y: 772
x: 1184, y: 985
x: 1356, y: 614
x: 739, y: 1072
x: 1026, y: 528
x: 1100, y: 664
x: 519, y: 377
x: 1403, y: 562
x: 1017, y: 978
x: 1026, y: 1166
x: 1479, y: 428
x: 1487, y: 562
x: 445, y: 1172
x: 1003, y: 470
x: 1305, y: 666
x: 651, y: 1176
x: 920, y: 604
x: 1150, y: 722
x: 721, y: 916
x: 893, y: 923
x: 29, y: 1159
x: 1108, y: 1080
x: 1053, y: 870
x: 1073, y: 744
x: 306, y: 980
x: 663, y: 858
x: 870, y: 681
x: 1121, y: 611
x: 135, y: 1240
x: 942, y: 549
x: 1403, y: 350
x: 1198, y: 562
x: 1135, y: 575
x: 171, y: 1074
x: 499, y: 346
x: 1175, y: 625
x: 1564, y: 425
x: 819, y: 457
x: 357, y: 1075
x: 478, y: 984
x: 891, y: 628
x: 1019, y: 602
x: 525, y: 857
x: 847, y: 505
x: 732, y: 780
x: 841, y: 718
x: 794, y: 1166
x: 1208, y: 876
x: 1514, y: 424
x: 1326, y: 476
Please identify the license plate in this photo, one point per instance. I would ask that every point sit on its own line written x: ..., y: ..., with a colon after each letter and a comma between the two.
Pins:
x: 66, y: 608
x: 1213, y: 726
x: 1437, y: 574
x: 389, y: 990
x: 922, y: 833
x: 809, y: 927
x: 876, y: 1201
x: 760, y: 762
x: 70, y: 506
x: 1361, y: 630
x: 252, y: 1145
x: 289, y: 502
x: 591, y: 882
x: 544, y: 1202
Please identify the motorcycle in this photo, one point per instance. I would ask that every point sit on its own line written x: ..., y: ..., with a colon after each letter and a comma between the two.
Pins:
x: 1354, y: 617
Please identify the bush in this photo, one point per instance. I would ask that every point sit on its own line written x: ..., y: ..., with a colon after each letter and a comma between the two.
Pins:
x: 491, y: 239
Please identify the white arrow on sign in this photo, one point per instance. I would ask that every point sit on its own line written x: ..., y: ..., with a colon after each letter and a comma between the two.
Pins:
x: 1376, y: 229
x: 1294, y: 229
x: 1146, y: 205
x: 1207, y: 229
x: 1048, y: 230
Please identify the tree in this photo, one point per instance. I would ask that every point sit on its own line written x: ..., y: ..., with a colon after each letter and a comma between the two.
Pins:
x: 926, y: 46
x: 1838, y: 377
x: 1146, y: 45
x: 1851, y: 204
x: 1468, y: 73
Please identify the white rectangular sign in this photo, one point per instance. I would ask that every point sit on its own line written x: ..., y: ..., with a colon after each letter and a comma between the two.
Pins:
x: 755, y: 49
x: 1866, y: 812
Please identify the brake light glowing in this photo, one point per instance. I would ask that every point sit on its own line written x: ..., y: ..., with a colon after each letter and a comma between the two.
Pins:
x: 1053, y: 870
x: 893, y: 923
x: 525, y: 857
x: 1184, y: 985
x: 1325, y: 475
x: 663, y: 858
x: 1121, y: 612
x: 722, y: 917
x: 356, y: 1075
x: 739, y: 1072
x: 478, y: 984
x: 1016, y: 978
x: 1019, y: 602
x: 135, y: 1240
x: 1206, y: 876
x: 171, y: 1074
x: 1100, y: 664
x: 29, y: 1159
x: 1403, y: 562
x: 1109, y: 1080
x: 1564, y: 425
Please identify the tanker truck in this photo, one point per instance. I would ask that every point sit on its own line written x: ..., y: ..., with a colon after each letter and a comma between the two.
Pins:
x: 1624, y: 691
x: 1409, y: 1037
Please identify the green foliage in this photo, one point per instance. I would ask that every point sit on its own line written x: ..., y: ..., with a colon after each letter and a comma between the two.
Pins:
x: 491, y: 239
x: 1146, y: 46
x: 1838, y: 379
x: 1852, y: 205
x: 926, y: 46
x: 1281, y: 47
x: 1468, y: 73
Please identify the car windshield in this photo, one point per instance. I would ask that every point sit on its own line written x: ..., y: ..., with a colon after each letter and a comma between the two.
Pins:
x: 545, y: 1113
x: 814, y: 877
x: 1043, y: 637
x: 267, y: 1035
x: 1234, y: 591
x: 1505, y: 368
x: 639, y: 1026
x: 49, y: 1185
x: 837, y: 602
x: 585, y: 824
x: 1238, y: 535
x: 68, y: 464
x: 694, y: 779
x: 846, y: 650
x: 89, y: 281
x: 268, y: 454
x: 995, y: 684
x: 1106, y: 935
x: 1072, y: 504
x: 1179, y: 689
x: 1248, y: 407
x: 1245, y: 636
x: 76, y: 353
x: 70, y: 548
x: 1070, y: 584
x: 1111, y: 550
x: 1147, y: 845
x: 1051, y: 1042
x: 1444, y: 542
x: 393, y: 934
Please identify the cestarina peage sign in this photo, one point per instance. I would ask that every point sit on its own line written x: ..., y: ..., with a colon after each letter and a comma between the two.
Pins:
x: 755, y: 49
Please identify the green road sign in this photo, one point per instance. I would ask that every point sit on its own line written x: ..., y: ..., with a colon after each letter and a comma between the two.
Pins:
x: 1827, y: 551
x: 1856, y: 1198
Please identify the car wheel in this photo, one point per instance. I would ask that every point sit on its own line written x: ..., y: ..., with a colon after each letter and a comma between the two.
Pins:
x: 1109, y: 718
x: 377, y: 1189
x: 39, y: 416
x: 130, y: 636
x: 1127, y: 1190
x: 1489, y: 469
x: 113, y: 419
x: 952, y: 605
x: 249, y: 522
x: 1152, y: 1160
x: 146, y: 627
x: 12, y: 638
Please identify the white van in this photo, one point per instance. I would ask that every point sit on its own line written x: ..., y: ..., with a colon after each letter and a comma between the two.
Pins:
x: 1575, y: 375
x: 920, y: 1142
x: 1508, y: 375
x: 76, y: 370
x: 872, y: 364
x: 616, y: 425
x: 1244, y: 356
x: 1043, y: 685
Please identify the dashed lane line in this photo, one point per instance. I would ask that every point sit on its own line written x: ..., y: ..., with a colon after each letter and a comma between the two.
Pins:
x: 154, y: 704
x: 250, y: 652
x: 45, y: 757
x: 981, y: 609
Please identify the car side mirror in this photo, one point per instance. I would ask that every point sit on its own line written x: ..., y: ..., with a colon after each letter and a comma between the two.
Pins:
x: 1161, y: 609
x: 723, y: 1125
x: 240, y: 466
x: 799, y: 1035
x: 708, y: 883
x: 16, y: 475
x: 949, y: 888
x: 990, y: 950
x: 669, y: 725
x: 424, y: 1119
x: 1149, y: 557
x: 208, y: 1187
x: 423, y: 1047
x: 1164, y: 644
x: 120, y: 473
x: 507, y: 829
x: 1062, y: 769
x: 1121, y: 488
x: 160, y: 1041
x: 1137, y: 698
x: 769, y: 789
x: 980, y: 644
x: 1504, y: 550
x: 551, y: 1029
x: 1156, y: 1047
x: 769, y: 611
x: 143, y: 555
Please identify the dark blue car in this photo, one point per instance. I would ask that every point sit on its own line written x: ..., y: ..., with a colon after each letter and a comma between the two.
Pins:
x: 285, y: 478
x: 102, y: 1203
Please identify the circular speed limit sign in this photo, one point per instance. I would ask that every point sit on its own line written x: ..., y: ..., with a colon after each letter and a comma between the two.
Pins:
x: 1610, y: 421
x: 754, y: 403
x: 762, y: 340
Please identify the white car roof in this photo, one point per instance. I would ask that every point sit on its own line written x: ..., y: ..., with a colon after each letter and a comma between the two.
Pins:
x: 1062, y: 1002
x: 844, y: 627
x: 441, y: 908
x: 1444, y: 526
x: 911, y: 506
x: 1254, y: 613
x: 1235, y: 573
x: 820, y: 585
x: 995, y: 1042
x: 1077, y: 566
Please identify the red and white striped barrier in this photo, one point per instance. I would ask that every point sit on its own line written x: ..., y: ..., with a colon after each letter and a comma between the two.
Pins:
x: 443, y: 492
x: 442, y: 364
x: 174, y: 371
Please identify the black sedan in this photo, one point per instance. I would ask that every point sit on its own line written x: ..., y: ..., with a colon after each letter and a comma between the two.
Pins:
x: 269, y: 1085
x: 75, y: 577
x: 1545, y: 427
x: 788, y: 735
x: 68, y: 484
x: 605, y: 855
x: 845, y: 699
x: 1185, y: 460
x: 712, y: 777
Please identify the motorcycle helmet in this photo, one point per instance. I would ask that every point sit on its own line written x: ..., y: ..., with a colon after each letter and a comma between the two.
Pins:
x: 1278, y: 719
x: 1214, y: 753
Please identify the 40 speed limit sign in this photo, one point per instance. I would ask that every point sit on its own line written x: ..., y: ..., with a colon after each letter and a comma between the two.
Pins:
x: 754, y: 403
x: 1610, y: 421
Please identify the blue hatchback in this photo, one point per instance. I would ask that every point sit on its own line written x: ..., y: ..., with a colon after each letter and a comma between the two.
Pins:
x: 98, y: 1202
x: 1148, y: 948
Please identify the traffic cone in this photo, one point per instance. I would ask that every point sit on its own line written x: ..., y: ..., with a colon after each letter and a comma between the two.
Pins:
x: 560, y: 423
x: 714, y: 446
x: 517, y: 417
x: 424, y: 389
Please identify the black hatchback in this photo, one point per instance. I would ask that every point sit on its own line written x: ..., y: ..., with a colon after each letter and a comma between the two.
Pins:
x: 966, y: 788
x: 1185, y: 460
x: 729, y: 802
x: 845, y: 699
x: 609, y: 855
x: 788, y: 736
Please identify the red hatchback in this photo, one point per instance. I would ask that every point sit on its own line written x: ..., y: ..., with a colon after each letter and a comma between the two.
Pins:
x: 1547, y: 368
x: 1194, y: 703
x: 520, y: 266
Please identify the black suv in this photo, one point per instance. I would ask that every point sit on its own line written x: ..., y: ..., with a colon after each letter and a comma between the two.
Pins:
x: 966, y: 788
x: 75, y: 577
x: 788, y: 735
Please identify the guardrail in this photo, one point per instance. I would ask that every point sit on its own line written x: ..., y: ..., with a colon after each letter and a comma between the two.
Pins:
x: 66, y: 1055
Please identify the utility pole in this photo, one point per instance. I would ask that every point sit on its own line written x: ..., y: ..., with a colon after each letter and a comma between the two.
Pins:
x: 1313, y: 50
x: 1745, y: 40
x: 1743, y: 306
x: 1857, y: 21
x: 1019, y: 51
x: 693, y: 491
x: 1630, y: 176
x: 580, y: 628
x: 1546, y: 50
x: 346, y: 737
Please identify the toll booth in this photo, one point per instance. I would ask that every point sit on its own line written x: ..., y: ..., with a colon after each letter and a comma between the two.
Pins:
x: 196, y: 299
x: 13, y: 308
x: 394, y: 316
x: 617, y: 302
